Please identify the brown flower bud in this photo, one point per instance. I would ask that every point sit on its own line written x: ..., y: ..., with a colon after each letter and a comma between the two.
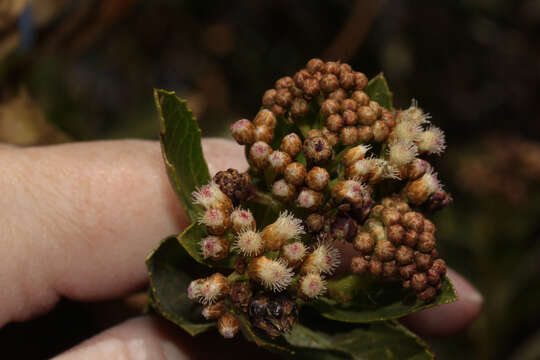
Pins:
x: 417, y: 168
x: 217, y: 221
x: 311, y: 87
x: 299, y: 107
x: 317, y: 150
x: 402, y: 207
x: 214, y: 311
x: 348, y: 104
x: 314, y: 223
x: 332, y: 137
x: 426, y: 242
x: 395, y: 233
x: 354, y: 154
x: 377, y: 210
x: 410, y: 238
x: 360, y: 97
x: 265, y: 117
x: 413, y: 221
x: 390, y: 216
x: 404, y: 255
x: 433, y: 276
x: 309, y: 199
x: 283, y: 97
x: 350, y: 117
x: 439, y: 265
x: 331, y: 67
x: 334, y: 122
x: 428, y: 294
x: 215, y: 248
x: 419, y: 190
x: 437, y: 201
x: 283, y: 191
x: 384, y: 250
x: 360, y: 80
x: 366, y: 115
x: 313, y: 133
x: 344, y: 68
x: 429, y: 226
x: 359, y: 265
x: 278, y: 110
x: 228, y: 325
x: 380, y: 131
x: 314, y: 65
x: 365, y: 134
x: 389, y: 269
x: 295, y: 173
x: 258, y: 154
x: 377, y: 109
x: 285, y: 82
x: 278, y: 161
x: 364, y: 243
x: 242, y: 219
x: 407, y: 271
x: 268, y: 97
x: 388, y: 118
x: 338, y: 95
x: 318, y: 76
x: 329, y: 107
x: 423, y: 261
x: 375, y: 267
x: 347, y: 80
x: 264, y: 133
x: 291, y: 144
x: 419, y: 282
x: 348, y: 135
x: 317, y: 178
x: 329, y: 83
x: 300, y: 77
x: 243, y: 132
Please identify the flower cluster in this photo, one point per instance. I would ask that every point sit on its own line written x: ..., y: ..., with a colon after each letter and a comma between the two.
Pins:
x: 347, y: 169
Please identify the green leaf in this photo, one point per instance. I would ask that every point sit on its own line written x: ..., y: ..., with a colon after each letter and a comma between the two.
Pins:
x: 378, y: 91
x: 181, y: 147
x: 378, y: 341
x: 190, y: 239
x: 353, y: 300
x: 171, y: 269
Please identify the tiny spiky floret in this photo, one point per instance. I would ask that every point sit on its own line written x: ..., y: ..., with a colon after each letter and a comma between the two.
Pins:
x: 242, y: 219
x: 286, y: 227
x: 414, y: 114
x: 324, y: 259
x: 209, y: 290
x: 272, y: 274
x: 401, y: 152
x: 210, y: 196
x: 354, y: 154
x: 228, y: 325
x: 293, y: 253
x: 432, y: 141
x: 407, y: 130
x: 217, y: 221
x: 214, y: 247
x: 214, y: 311
x: 419, y: 190
x: 311, y: 286
x: 249, y: 243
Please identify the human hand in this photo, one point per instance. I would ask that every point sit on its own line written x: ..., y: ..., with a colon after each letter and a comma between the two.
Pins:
x: 79, y: 220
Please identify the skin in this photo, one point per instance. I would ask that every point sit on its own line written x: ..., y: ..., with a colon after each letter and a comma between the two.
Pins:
x: 78, y: 222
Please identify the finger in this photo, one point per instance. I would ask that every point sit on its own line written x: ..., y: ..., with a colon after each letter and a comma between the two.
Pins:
x: 79, y: 219
x: 152, y: 338
x: 450, y: 318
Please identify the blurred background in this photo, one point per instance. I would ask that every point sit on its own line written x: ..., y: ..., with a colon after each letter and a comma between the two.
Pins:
x: 85, y: 69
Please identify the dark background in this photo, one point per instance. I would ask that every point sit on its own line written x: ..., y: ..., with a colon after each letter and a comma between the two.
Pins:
x: 84, y: 70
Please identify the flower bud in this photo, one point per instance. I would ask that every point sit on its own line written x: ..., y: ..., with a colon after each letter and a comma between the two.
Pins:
x: 360, y: 80
x: 404, y: 255
x: 439, y: 265
x: 360, y: 170
x: 343, y: 228
x: 377, y: 109
x: 330, y: 136
x: 286, y: 227
x: 407, y: 271
x: 384, y: 250
x: 278, y: 110
x: 249, y: 243
x: 334, y: 122
x: 359, y: 265
x: 214, y: 311
x: 314, y: 65
x: 258, y: 154
x: 431, y: 141
x: 429, y: 226
x: 346, y: 79
x: 313, y: 133
x: 215, y: 248
x: 364, y: 243
x: 314, y: 223
x: 366, y: 116
x: 407, y: 131
x: 395, y: 233
x: 360, y: 97
x: 417, y: 168
x: 388, y: 118
x: 437, y: 201
x: 331, y: 67
x: 338, y: 95
x: 213, y: 289
x: 426, y: 242
x: 433, y: 277
x: 380, y: 131
x: 389, y: 269
x: 355, y: 154
x: 428, y: 294
x: 390, y: 216
x: 422, y: 261
x: 285, y: 82
x: 365, y: 134
x: 309, y: 199
x: 293, y: 253
x: 194, y: 289
x: 414, y: 114
x: 295, y: 173
x: 300, y: 77
x: 410, y: 238
x: 375, y: 267
x: 228, y: 325
x: 264, y: 133
x: 216, y: 221
x: 329, y: 107
x: 278, y: 161
x: 291, y: 144
x: 419, y: 282
x: 329, y: 83
x: 350, y: 118
x: 311, y: 286
x: 210, y: 196
x: 324, y: 259
x: 268, y: 97
x: 401, y: 152
x: 414, y: 221
x: 317, y: 178
x: 348, y: 135
x: 272, y: 274
x: 242, y: 219
x: 283, y: 191
x: 283, y: 97
x: 350, y: 192
x: 317, y: 150
x: 243, y: 132
x: 418, y: 191
x: 265, y: 117
x: 311, y: 87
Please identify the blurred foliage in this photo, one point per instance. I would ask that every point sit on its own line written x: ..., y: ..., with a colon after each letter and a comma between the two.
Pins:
x: 88, y: 67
